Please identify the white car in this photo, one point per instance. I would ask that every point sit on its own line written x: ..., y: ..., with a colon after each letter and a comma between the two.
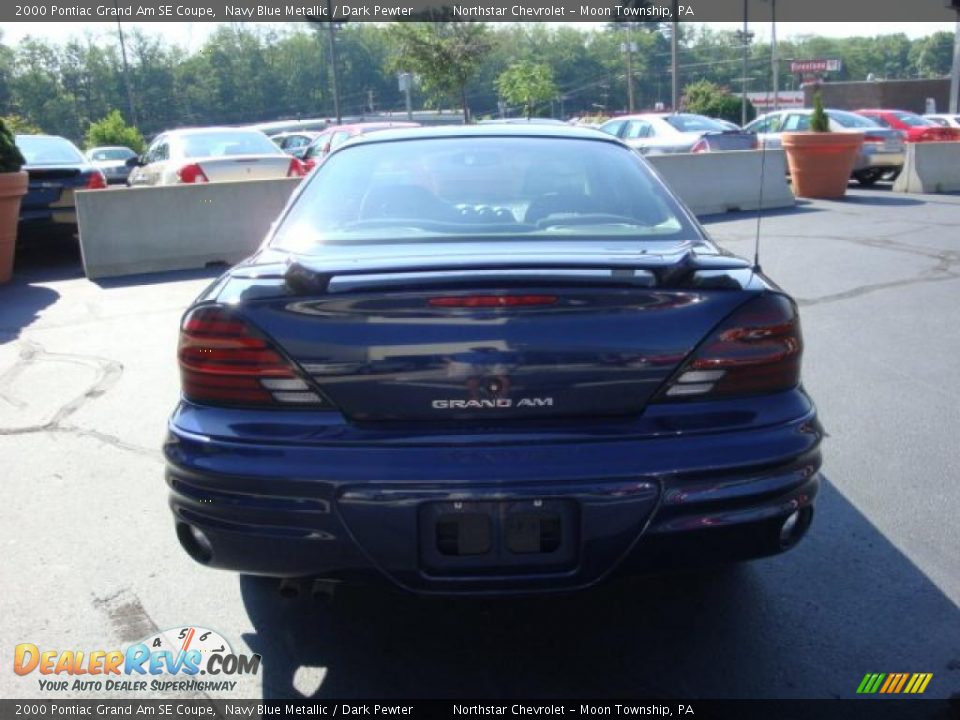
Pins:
x: 212, y: 155
x: 662, y: 133
x: 112, y: 161
x: 945, y: 120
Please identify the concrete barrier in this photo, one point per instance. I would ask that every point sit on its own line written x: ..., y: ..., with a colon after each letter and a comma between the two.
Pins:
x: 930, y: 167
x: 719, y: 182
x: 152, y: 229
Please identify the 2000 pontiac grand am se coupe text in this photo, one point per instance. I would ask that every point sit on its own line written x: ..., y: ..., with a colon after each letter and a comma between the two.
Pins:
x: 489, y: 360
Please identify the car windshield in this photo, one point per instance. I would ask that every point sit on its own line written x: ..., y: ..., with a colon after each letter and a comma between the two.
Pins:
x: 47, y: 150
x: 218, y: 143
x: 913, y: 120
x: 851, y: 120
x: 695, y: 123
x: 492, y: 188
x: 111, y: 154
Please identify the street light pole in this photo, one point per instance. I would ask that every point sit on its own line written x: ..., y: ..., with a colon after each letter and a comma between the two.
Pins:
x: 774, y: 59
x: 955, y: 71
x: 334, y: 73
x: 746, y: 48
x: 126, y: 76
x: 674, y: 80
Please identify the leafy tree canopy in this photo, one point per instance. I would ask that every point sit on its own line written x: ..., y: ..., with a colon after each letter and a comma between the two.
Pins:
x: 527, y: 84
x: 113, y: 130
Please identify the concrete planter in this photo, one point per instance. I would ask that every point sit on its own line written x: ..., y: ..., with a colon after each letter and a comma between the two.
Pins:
x: 13, y: 186
x: 821, y: 163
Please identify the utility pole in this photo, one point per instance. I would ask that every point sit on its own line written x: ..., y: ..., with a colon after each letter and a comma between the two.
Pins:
x: 405, y: 81
x: 126, y: 75
x: 334, y: 72
x: 774, y: 58
x: 746, y: 49
x: 674, y: 79
x: 955, y: 71
x: 629, y: 48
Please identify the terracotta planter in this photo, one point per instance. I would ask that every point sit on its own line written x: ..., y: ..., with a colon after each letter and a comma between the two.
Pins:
x: 13, y: 186
x: 821, y: 163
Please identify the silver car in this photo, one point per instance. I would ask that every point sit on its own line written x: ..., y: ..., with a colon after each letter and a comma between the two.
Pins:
x: 945, y: 120
x: 660, y: 133
x: 112, y: 161
x: 882, y: 151
x: 212, y: 155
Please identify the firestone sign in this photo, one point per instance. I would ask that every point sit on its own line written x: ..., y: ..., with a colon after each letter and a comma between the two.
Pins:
x: 814, y: 66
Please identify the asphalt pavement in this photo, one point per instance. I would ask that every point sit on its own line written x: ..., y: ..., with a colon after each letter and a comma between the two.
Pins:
x: 90, y: 561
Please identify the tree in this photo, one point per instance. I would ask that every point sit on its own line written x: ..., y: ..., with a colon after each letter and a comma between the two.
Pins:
x: 446, y: 55
x: 706, y: 98
x: 20, y: 126
x: 113, y: 130
x: 528, y: 84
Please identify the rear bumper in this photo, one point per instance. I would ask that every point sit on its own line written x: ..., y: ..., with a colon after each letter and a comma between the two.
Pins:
x: 868, y: 160
x: 349, y: 511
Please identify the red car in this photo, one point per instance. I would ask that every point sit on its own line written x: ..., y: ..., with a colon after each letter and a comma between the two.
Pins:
x: 916, y: 127
x: 336, y: 134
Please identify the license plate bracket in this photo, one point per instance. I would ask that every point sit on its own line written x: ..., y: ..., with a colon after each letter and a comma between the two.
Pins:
x: 498, y: 536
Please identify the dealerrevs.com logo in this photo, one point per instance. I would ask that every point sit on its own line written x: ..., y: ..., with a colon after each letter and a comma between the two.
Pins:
x: 168, y: 661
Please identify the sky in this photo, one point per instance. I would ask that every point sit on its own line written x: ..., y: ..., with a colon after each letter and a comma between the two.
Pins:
x: 192, y: 35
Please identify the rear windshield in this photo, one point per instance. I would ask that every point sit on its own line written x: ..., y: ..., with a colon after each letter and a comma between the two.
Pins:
x: 912, y: 120
x: 695, y: 123
x: 496, y: 188
x: 111, y: 154
x: 44, y: 150
x: 217, y: 144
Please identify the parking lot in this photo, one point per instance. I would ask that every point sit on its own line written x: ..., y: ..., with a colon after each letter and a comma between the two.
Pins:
x: 88, y: 377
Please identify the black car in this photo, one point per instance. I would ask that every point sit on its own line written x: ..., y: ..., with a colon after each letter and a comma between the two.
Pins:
x: 57, y: 169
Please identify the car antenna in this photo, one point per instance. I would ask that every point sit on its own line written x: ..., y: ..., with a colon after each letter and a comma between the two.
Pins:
x: 756, y: 241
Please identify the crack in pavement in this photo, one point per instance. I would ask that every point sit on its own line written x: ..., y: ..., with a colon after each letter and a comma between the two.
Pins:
x: 108, y: 372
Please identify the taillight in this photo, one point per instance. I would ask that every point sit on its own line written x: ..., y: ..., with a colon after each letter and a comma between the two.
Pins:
x: 223, y: 361
x: 700, y: 146
x: 756, y: 350
x: 491, y: 301
x: 874, y: 138
x: 96, y: 180
x: 192, y: 173
x: 308, y: 165
x: 296, y: 168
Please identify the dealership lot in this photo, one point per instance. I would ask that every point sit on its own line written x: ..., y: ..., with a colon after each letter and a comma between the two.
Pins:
x: 88, y: 376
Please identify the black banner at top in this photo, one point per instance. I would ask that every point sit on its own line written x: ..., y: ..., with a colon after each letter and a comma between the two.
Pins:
x: 894, y: 11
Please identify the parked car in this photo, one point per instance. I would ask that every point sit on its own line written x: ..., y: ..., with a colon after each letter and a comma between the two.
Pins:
x: 916, y: 127
x: 112, y: 161
x: 945, y: 120
x: 882, y: 151
x: 56, y: 169
x: 659, y: 133
x: 338, y: 134
x: 294, y: 143
x: 522, y: 121
x: 489, y: 359
x: 201, y: 155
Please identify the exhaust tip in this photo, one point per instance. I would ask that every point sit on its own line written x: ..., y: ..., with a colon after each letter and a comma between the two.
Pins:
x: 195, y: 542
x: 794, y: 527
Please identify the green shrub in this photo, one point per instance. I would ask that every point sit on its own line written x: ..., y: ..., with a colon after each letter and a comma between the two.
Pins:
x: 11, y: 159
x: 819, y: 122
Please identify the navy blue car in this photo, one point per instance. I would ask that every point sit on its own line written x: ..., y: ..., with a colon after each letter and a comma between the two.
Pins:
x: 497, y: 359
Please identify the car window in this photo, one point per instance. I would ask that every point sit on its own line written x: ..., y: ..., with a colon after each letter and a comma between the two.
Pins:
x: 316, y: 146
x: 491, y: 187
x: 770, y: 124
x: 220, y: 144
x: 613, y: 127
x: 338, y: 138
x: 159, y: 151
x: 694, y: 123
x: 796, y: 122
x: 296, y: 141
x: 638, y: 129
x: 48, y: 150
x: 101, y: 154
x: 939, y: 121
x: 851, y: 120
x: 879, y: 120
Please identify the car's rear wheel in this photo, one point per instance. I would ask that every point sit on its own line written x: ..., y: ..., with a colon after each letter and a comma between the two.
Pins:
x: 868, y: 177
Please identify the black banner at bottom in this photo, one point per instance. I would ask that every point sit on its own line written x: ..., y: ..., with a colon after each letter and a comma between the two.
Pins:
x: 860, y: 709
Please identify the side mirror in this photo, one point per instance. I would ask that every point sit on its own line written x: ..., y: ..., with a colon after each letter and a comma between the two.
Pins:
x: 135, y: 161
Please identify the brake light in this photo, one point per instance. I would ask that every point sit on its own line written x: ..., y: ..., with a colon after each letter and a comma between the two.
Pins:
x: 192, y: 173
x: 96, y: 180
x: 296, y: 168
x: 492, y: 301
x: 223, y: 361
x: 874, y: 139
x: 308, y: 165
x: 756, y: 350
x: 700, y: 146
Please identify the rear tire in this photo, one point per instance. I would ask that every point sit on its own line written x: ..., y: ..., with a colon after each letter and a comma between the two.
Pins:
x: 868, y: 177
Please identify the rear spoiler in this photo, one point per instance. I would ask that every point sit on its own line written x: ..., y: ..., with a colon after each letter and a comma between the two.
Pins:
x: 306, y: 276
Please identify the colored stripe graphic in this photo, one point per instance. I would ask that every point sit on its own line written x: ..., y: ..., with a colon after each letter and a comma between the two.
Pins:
x: 894, y: 683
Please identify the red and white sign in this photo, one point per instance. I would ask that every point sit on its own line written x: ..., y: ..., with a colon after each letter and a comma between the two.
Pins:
x: 814, y: 66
